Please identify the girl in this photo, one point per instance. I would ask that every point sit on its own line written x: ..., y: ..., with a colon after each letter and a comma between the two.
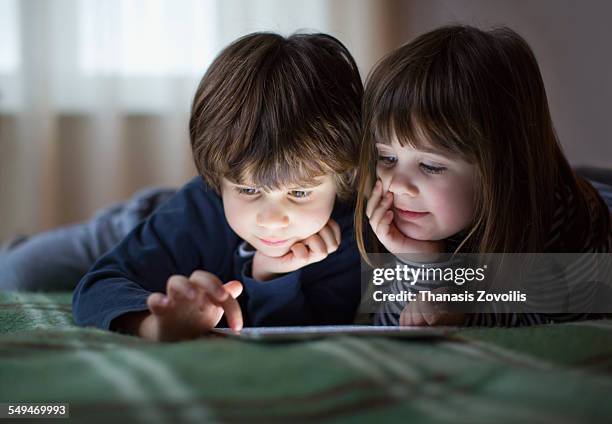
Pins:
x: 461, y: 152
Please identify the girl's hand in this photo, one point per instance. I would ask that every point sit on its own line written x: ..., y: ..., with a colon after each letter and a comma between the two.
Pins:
x: 313, y: 249
x: 423, y: 313
x: 192, y: 306
x: 378, y: 211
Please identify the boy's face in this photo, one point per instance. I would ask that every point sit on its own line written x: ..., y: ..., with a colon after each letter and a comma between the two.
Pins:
x: 433, y: 193
x: 273, y: 221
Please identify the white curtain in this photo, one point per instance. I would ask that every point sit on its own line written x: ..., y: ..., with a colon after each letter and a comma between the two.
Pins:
x: 95, y: 95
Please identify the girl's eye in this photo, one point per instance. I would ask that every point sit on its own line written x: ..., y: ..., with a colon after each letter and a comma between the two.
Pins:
x: 432, y: 169
x: 300, y: 194
x: 387, y: 160
x: 247, y: 191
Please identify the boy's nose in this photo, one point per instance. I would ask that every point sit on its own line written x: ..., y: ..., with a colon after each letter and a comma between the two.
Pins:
x: 272, y: 219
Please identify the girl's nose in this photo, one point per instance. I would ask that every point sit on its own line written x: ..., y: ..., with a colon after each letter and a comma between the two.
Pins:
x: 403, y: 185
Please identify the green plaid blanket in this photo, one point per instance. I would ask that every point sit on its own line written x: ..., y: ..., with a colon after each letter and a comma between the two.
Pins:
x: 559, y: 373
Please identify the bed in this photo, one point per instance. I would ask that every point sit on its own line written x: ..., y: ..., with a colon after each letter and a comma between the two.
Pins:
x: 556, y: 373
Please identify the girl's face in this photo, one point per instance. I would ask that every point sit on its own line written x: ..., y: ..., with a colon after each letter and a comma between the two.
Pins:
x: 273, y: 221
x: 433, y: 193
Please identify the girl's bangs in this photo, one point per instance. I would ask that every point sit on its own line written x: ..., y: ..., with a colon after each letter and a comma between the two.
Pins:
x: 419, y: 109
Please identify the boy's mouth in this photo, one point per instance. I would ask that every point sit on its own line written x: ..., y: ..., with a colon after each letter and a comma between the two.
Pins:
x: 273, y: 241
x: 408, y: 214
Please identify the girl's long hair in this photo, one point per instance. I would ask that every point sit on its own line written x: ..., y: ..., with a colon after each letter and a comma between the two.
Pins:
x: 478, y: 94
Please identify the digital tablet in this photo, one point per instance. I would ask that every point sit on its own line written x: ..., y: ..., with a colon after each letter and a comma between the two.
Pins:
x: 319, y: 331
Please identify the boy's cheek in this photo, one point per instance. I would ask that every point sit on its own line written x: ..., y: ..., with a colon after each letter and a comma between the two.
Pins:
x: 236, y: 217
x: 313, y: 223
x: 318, y: 216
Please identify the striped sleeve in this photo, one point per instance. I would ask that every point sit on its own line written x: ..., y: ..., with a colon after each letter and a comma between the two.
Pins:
x: 573, y: 287
x: 389, y: 312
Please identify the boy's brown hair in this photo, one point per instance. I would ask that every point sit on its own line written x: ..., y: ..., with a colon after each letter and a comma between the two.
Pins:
x: 274, y: 111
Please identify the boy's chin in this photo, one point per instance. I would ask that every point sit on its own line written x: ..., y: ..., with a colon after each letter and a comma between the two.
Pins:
x: 273, y: 252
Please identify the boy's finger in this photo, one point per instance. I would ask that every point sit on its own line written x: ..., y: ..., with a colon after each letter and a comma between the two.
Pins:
x: 210, y: 283
x: 374, y: 198
x: 336, y: 230
x: 327, y: 234
x: 300, y: 252
x: 230, y: 306
x: 158, y: 303
x: 317, y: 247
x: 234, y: 287
x: 178, y: 286
x: 233, y: 314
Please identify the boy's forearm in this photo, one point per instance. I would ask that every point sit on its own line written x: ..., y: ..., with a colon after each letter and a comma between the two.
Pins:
x: 134, y: 323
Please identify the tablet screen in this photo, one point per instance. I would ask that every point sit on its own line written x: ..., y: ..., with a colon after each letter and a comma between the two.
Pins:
x: 318, y: 331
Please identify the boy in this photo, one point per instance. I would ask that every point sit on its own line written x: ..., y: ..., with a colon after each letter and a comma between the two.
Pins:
x: 264, y: 236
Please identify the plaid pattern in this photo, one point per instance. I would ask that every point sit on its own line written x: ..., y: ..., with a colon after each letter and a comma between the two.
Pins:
x: 554, y: 373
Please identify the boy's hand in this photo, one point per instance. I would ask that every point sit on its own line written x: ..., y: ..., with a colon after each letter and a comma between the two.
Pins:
x: 191, y: 307
x: 378, y: 211
x: 313, y: 249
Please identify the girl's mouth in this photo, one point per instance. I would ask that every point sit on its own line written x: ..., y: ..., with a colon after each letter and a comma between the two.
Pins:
x: 409, y: 215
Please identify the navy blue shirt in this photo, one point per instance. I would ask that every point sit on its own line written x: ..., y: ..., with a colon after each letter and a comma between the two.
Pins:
x: 190, y: 232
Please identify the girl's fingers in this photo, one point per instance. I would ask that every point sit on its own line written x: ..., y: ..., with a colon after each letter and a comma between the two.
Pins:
x: 412, y: 319
x: 419, y: 320
x: 432, y: 318
x: 406, y: 316
x: 384, y: 225
x: 210, y: 283
x: 178, y: 286
x: 379, y: 212
x: 374, y: 198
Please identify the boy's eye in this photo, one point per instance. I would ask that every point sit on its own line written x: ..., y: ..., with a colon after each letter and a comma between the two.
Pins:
x: 432, y: 169
x: 300, y: 194
x: 247, y: 191
x: 387, y: 160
